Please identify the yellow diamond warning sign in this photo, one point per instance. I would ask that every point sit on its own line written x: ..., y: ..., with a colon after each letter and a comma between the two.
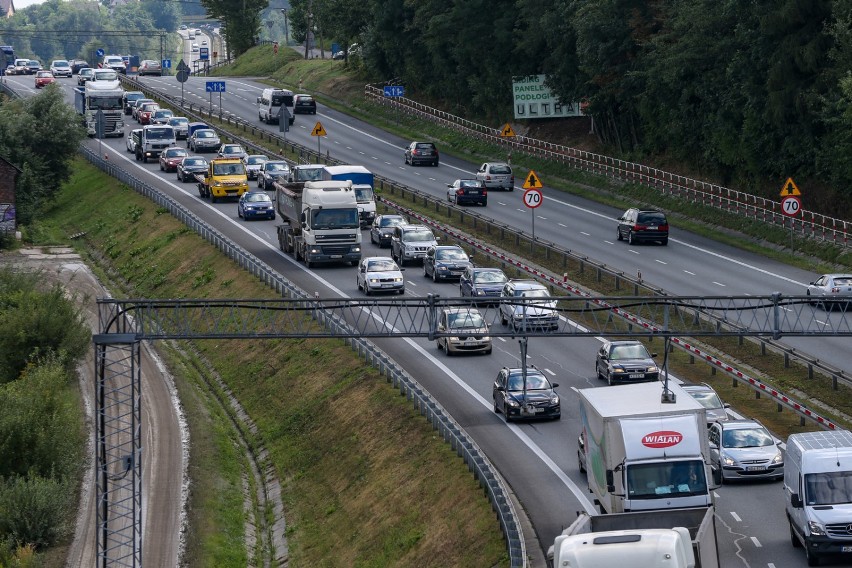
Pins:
x: 790, y: 188
x: 506, y: 131
x: 532, y: 181
x: 318, y: 130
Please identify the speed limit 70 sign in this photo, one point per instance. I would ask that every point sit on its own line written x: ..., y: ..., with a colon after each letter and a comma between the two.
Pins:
x: 791, y: 205
x: 532, y: 198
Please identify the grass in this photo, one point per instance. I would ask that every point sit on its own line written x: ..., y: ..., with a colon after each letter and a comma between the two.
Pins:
x: 366, y: 481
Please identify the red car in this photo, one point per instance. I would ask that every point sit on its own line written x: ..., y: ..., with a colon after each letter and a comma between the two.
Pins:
x: 43, y: 78
x: 143, y: 115
x: 171, y: 157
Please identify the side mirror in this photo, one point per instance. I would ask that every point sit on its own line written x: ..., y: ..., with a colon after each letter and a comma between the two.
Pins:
x: 554, y: 385
x: 717, y: 478
x: 653, y: 354
x: 501, y: 389
x: 363, y: 269
x: 713, y: 446
x: 726, y: 405
x: 610, y: 481
x: 258, y: 100
x: 795, y: 501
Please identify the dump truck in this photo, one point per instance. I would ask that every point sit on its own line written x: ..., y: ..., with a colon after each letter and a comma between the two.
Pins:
x: 363, y: 182
x: 101, y: 96
x: 671, y: 538
x: 320, y: 221
x: 225, y: 177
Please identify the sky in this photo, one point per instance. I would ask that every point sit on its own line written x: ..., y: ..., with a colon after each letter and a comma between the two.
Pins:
x: 24, y: 3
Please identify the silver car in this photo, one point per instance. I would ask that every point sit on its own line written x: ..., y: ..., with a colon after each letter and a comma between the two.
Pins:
x: 379, y: 274
x: 181, y: 126
x: 714, y: 408
x: 744, y: 449
x: 470, y: 332
x: 832, y: 290
x: 532, y: 308
x: 204, y: 140
x: 496, y: 175
x: 253, y: 163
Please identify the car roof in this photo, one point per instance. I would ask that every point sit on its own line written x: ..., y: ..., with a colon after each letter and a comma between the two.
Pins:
x: 740, y: 423
x: 626, y: 342
x: 379, y: 258
x: 526, y: 283
x: 701, y: 387
x: 496, y: 164
x: 519, y: 370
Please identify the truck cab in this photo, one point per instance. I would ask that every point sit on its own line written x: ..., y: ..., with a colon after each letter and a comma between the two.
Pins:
x: 225, y: 177
x: 152, y: 140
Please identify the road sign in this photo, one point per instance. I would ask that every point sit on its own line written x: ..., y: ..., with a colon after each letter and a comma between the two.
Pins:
x: 532, y: 181
x: 283, y: 119
x: 791, y: 205
x: 318, y: 130
x: 204, y: 53
x: 215, y: 86
x: 395, y: 91
x: 506, y: 131
x: 182, y: 75
x: 790, y: 188
x: 182, y: 66
x: 99, y: 52
x: 533, y: 198
x: 167, y: 63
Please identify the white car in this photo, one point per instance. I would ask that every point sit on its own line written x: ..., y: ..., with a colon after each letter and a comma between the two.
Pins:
x: 470, y: 332
x: 380, y: 274
x: 60, y: 68
x: 832, y: 290
x: 129, y: 141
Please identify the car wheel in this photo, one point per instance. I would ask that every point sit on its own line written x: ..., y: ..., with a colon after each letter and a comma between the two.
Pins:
x: 496, y: 408
x: 630, y: 238
x: 401, y: 291
x: 434, y: 275
x: 447, y: 350
x: 665, y: 241
x: 618, y: 235
x: 812, y: 559
x: 609, y: 379
x: 580, y: 463
x: 503, y: 319
x: 366, y: 287
x: 488, y: 351
x: 161, y: 166
x: 794, y: 540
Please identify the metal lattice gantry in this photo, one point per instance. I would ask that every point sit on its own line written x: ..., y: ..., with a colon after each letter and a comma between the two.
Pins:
x: 125, y: 323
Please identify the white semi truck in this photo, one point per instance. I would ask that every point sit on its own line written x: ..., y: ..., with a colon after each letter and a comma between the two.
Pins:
x: 673, y: 538
x: 642, y: 453
x: 321, y: 222
x: 103, y: 96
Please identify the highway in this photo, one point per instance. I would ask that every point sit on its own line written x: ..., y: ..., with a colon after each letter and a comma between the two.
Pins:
x: 538, y: 460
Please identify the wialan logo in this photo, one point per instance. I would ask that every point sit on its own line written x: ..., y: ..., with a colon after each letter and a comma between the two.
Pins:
x: 662, y: 439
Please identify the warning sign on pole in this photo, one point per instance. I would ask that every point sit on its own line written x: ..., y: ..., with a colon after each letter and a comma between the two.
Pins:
x: 532, y: 181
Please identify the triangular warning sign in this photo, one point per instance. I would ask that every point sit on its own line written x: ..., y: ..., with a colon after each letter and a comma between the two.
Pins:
x: 318, y: 130
x: 532, y: 181
x: 790, y: 188
x: 506, y: 131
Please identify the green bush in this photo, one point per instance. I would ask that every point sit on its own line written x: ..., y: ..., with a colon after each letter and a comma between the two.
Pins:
x: 34, y: 509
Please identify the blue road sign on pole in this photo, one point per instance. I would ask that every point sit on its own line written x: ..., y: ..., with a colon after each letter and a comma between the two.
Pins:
x: 99, y: 52
x: 395, y: 91
x: 204, y: 53
x: 167, y: 63
x: 215, y: 86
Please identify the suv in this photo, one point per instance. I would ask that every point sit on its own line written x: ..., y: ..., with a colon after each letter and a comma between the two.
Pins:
x: 496, y: 175
x: 626, y: 362
x: 707, y: 397
x: 535, y: 399
x: 744, y: 449
x: 639, y: 225
x: 304, y: 104
x: 77, y: 64
x: 60, y: 68
x: 116, y: 63
x: 130, y: 98
x: 421, y: 153
x: 410, y: 242
x: 445, y: 262
x: 533, y: 307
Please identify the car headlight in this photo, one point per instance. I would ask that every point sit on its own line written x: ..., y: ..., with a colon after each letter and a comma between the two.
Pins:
x: 554, y: 399
x: 778, y: 458
x: 816, y: 529
x: 617, y: 369
x: 652, y: 369
x: 398, y: 279
x: 217, y: 184
x: 728, y: 460
x: 480, y: 292
x: 373, y: 280
x: 442, y: 267
x: 314, y: 250
x: 512, y: 402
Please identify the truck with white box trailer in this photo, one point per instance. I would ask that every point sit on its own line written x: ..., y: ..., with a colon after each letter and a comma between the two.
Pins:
x: 363, y: 183
x: 818, y: 494
x: 642, y: 453
x: 106, y: 97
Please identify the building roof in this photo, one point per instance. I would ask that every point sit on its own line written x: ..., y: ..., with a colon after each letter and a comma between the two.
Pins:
x: 7, y: 8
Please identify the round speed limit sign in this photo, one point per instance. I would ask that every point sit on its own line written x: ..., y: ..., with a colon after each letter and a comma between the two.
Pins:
x: 791, y: 205
x: 532, y: 198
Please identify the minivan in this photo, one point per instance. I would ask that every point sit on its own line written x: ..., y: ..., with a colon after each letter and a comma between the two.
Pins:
x: 269, y: 104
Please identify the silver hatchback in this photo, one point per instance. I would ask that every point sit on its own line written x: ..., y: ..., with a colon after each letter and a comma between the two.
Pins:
x: 744, y: 449
x: 496, y: 175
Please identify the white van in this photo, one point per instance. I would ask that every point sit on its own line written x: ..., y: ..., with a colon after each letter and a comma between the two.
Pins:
x: 269, y: 105
x: 818, y: 492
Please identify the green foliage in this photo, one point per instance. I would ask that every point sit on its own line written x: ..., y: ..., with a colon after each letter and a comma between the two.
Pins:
x: 241, y: 21
x: 33, y: 509
x: 13, y: 555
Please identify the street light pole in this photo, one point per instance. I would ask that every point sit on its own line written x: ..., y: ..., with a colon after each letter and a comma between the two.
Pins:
x: 286, y: 27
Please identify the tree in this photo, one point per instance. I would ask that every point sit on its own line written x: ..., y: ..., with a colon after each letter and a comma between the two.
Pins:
x: 241, y: 20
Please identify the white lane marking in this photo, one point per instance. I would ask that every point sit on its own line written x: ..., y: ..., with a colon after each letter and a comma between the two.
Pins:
x: 563, y: 225
x: 609, y: 242
x: 633, y: 251
x: 719, y: 284
x: 542, y: 218
x: 660, y: 261
x: 546, y: 370
x: 736, y: 517
x: 581, y: 232
x: 756, y: 542
x: 690, y: 273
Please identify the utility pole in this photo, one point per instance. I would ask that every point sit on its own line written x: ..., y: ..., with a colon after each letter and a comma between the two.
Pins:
x: 308, y: 30
x: 286, y: 27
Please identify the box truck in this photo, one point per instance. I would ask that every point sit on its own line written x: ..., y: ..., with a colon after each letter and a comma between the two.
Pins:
x: 818, y: 492
x: 362, y: 182
x: 674, y: 538
x: 642, y: 453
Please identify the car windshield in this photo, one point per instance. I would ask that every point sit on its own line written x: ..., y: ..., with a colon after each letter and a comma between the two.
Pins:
x: 44, y: 74
x: 623, y: 352
x: 60, y: 64
x: 489, y: 277
x: 419, y: 236
x: 104, y: 103
x: 651, y: 218
x: 425, y: 147
x: 178, y: 121
x: 232, y: 150
x: 534, y: 382
x: 258, y: 197
x: 746, y: 438
x: 707, y: 399
x: 162, y: 114
x: 363, y: 194
x: 307, y: 174
x: 160, y: 133
x: 175, y: 153
x: 387, y: 221
x: 276, y: 167
x: 89, y: 71
x: 450, y: 254
x: 465, y: 320
x: 335, y: 218
x: 205, y: 134
x: 106, y: 75
x: 502, y: 169
x: 128, y: 96
x: 533, y: 293
x: 254, y: 160
x: 660, y: 480
x: 383, y: 265
x: 195, y: 162
x: 228, y: 169
x: 829, y: 488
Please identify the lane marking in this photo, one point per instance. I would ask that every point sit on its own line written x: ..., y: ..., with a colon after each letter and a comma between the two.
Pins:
x: 736, y: 517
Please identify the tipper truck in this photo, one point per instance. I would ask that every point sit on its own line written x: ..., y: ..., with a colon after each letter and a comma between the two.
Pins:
x: 225, y: 177
x: 642, y: 453
x: 104, y: 96
x: 673, y: 538
x: 362, y: 182
x: 320, y: 221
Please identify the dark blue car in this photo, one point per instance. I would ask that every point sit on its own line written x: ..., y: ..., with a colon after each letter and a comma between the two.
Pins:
x: 482, y: 283
x: 255, y: 205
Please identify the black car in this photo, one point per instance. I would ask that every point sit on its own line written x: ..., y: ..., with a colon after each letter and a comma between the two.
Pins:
x: 626, y: 362
x: 381, y: 230
x: 445, y: 262
x: 189, y: 166
x: 421, y: 153
x: 304, y: 104
x: 638, y: 225
x: 77, y: 64
x: 515, y: 400
x: 482, y: 283
x: 471, y: 191
x: 270, y: 171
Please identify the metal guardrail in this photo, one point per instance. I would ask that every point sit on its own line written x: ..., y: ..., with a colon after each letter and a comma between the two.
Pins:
x: 477, y: 462
x: 810, y: 225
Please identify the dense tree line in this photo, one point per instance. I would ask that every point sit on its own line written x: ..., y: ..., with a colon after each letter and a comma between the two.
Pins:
x: 747, y: 92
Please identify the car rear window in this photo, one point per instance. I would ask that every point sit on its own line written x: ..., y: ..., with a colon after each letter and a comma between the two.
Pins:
x: 501, y: 169
x: 844, y: 281
x: 426, y: 146
x: 651, y: 218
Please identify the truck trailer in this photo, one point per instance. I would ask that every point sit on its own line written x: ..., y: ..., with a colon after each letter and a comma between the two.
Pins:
x: 642, y: 453
x: 673, y: 538
x: 101, y: 96
x: 320, y: 221
x: 363, y: 183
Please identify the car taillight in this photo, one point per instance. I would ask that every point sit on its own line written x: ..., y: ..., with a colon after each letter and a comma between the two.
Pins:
x: 484, y: 191
x: 639, y: 227
x: 664, y: 227
x: 459, y: 191
x: 414, y: 152
x: 512, y: 180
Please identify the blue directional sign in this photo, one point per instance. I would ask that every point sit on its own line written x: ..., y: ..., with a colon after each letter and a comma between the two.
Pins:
x: 204, y: 53
x: 215, y: 86
x: 167, y: 63
x: 395, y: 91
x: 99, y: 52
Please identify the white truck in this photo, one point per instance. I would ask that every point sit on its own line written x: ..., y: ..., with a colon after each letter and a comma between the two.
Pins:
x: 320, y: 221
x: 641, y: 453
x: 104, y: 96
x: 818, y: 491
x: 363, y: 182
x: 674, y: 538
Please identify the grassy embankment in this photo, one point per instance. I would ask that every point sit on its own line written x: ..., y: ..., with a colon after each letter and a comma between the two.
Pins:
x: 341, y: 86
x: 365, y: 479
